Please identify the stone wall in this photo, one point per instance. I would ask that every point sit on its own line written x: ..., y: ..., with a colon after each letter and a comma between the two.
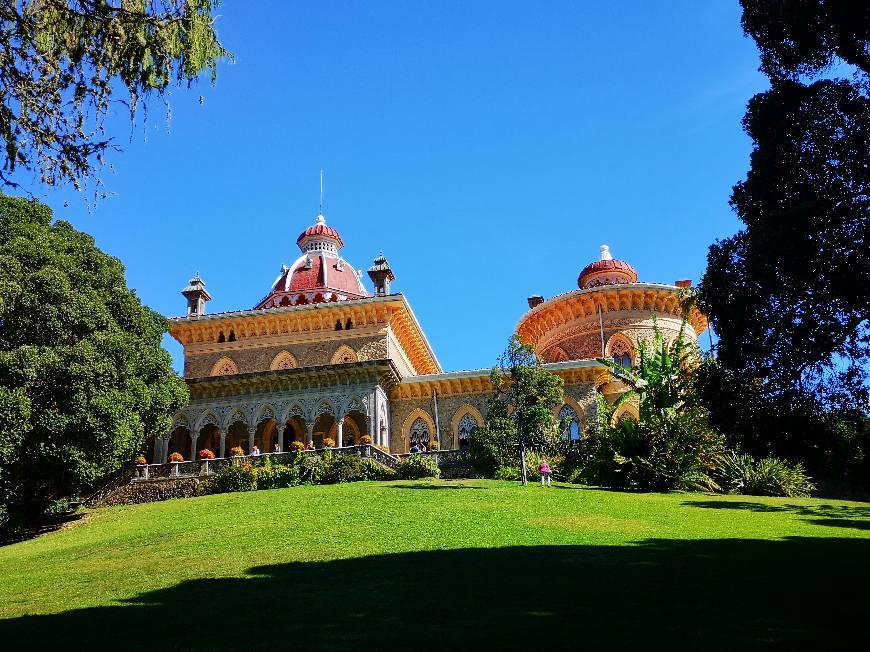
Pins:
x: 149, y: 491
x: 450, y: 409
x: 306, y: 354
x: 583, y: 340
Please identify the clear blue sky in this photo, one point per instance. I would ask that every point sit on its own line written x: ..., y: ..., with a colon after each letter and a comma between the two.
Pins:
x: 487, y: 147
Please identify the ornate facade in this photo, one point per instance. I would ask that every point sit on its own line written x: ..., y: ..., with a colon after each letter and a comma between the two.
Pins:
x: 322, y: 358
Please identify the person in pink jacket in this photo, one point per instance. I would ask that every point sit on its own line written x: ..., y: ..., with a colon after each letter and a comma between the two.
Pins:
x: 544, y: 468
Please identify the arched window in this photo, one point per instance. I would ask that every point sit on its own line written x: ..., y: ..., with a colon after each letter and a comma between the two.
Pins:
x: 570, y: 424
x: 419, y: 433
x: 349, y: 324
x: 467, y: 425
x: 621, y: 351
x: 623, y: 360
x: 338, y: 326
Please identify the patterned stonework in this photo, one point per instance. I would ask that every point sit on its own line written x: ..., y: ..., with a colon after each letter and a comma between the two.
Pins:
x: 261, y: 359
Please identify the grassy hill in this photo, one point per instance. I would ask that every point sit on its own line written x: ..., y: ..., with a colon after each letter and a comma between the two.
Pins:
x: 425, y: 565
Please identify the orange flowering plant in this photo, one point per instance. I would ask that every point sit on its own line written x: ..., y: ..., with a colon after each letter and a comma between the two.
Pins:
x: 176, y: 457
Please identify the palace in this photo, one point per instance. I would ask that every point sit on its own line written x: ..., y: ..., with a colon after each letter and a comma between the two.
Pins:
x: 320, y: 357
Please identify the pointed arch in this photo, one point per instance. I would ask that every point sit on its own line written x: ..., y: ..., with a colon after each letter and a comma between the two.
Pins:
x: 343, y: 354
x: 224, y: 367
x: 460, y: 426
x: 410, y: 420
x: 284, y: 360
x: 620, y: 349
x: 208, y: 417
x: 556, y: 354
x: 264, y: 413
x: 627, y: 410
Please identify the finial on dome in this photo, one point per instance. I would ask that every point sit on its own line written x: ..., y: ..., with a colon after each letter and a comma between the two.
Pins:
x: 320, y: 219
x: 605, y: 252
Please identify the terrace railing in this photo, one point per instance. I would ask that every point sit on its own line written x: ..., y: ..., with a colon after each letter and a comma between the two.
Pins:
x: 144, y: 472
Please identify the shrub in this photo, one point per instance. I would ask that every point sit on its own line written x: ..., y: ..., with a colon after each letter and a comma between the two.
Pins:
x: 176, y: 457
x: 296, y: 446
x: 770, y: 476
x: 277, y: 476
x: 237, y: 451
x: 679, y: 452
x: 418, y: 466
x: 141, y: 460
x: 507, y: 473
x: 329, y: 442
x: 365, y: 439
x: 206, y: 454
x: 350, y: 468
x: 236, y: 477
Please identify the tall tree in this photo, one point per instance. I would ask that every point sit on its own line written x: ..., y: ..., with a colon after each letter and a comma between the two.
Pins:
x: 83, y: 375
x: 520, y: 413
x: 62, y: 62
x: 789, y: 295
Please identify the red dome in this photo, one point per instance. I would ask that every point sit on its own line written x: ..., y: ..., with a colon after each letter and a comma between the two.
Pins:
x: 606, y: 271
x: 314, y: 279
x: 322, y: 230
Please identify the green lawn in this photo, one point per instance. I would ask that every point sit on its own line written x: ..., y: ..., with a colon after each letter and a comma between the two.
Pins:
x: 446, y: 565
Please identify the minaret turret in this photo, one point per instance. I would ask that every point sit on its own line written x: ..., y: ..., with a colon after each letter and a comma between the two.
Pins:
x: 381, y: 274
x: 196, y: 296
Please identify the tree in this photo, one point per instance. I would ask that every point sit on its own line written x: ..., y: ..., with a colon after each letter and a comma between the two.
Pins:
x: 671, y: 445
x: 83, y: 375
x: 520, y: 412
x: 63, y: 61
x: 789, y: 295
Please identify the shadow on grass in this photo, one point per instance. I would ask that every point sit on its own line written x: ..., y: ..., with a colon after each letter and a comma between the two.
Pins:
x: 844, y: 513
x: 710, y: 594
x: 432, y: 486
x: 17, y: 535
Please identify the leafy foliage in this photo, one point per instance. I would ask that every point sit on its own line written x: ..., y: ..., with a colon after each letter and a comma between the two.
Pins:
x: 83, y: 375
x: 416, y: 467
x: 672, y: 445
x: 769, y: 476
x: 805, y: 37
x: 235, y: 477
x: 63, y: 61
x: 789, y: 295
x: 519, y: 412
x: 352, y: 468
x: 277, y: 476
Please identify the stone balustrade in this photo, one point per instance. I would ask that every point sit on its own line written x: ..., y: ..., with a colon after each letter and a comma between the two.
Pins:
x: 144, y: 472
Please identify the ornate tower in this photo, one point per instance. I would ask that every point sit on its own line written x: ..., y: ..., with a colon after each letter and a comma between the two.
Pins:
x: 381, y: 274
x: 196, y: 296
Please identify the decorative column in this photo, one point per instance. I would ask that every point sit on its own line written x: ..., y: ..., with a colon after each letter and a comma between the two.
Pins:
x: 223, y: 452
x: 339, y: 430
x: 194, y: 436
x: 158, y: 448
x: 310, y: 427
x: 373, y: 416
x: 280, y: 429
x: 252, y: 432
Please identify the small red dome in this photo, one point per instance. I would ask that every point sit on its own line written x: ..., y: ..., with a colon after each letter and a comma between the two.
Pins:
x: 322, y: 230
x: 606, y: 271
